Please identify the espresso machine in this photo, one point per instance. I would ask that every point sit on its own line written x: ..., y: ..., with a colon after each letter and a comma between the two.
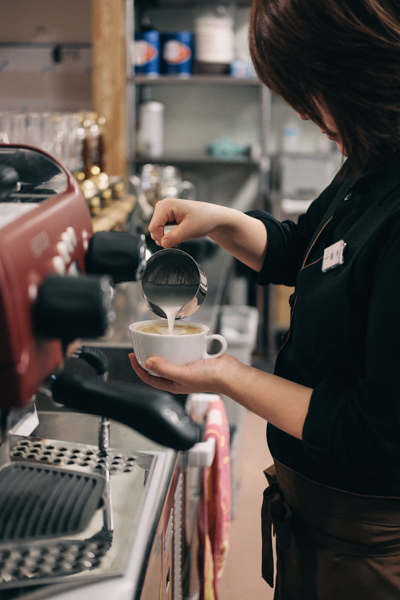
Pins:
x: 91, y: 493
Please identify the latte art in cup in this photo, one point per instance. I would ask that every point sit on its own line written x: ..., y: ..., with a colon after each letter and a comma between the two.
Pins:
x: 163, y: 329
x: 188, y: 342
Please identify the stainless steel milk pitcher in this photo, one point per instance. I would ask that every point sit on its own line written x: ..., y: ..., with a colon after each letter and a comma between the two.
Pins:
x: 171, y: 280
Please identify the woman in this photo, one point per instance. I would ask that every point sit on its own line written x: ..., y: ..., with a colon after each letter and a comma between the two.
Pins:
x: 333, y: 402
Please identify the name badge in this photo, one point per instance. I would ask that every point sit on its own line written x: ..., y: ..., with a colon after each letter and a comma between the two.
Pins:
x: 333, y: 256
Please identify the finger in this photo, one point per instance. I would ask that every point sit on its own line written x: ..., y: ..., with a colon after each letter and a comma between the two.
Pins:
x: 175, y: 237
x: 157, y: 382
x: 172, y: 210
x: 134, y: 362
x: 157, y: 233
x: 142, y: 373
x: 169, y: 371
x: 155, y: 364
x: 163, y: 213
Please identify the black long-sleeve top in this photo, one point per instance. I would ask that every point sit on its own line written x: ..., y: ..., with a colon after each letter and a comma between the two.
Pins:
x: 344, y: 338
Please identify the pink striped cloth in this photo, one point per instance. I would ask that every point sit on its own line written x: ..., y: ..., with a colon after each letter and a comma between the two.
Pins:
x: 215, y: 504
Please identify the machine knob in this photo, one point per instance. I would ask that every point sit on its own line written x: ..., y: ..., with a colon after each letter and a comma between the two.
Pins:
x: 8, y: 180
x: 63, y: 251
x: 67, y: 308
x: 119, y: 254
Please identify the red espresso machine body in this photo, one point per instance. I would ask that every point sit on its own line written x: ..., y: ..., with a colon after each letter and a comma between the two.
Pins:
x: 79, y: 517
x: 46, y: 231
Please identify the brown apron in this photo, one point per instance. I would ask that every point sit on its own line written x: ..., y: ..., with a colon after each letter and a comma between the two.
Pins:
x: 330, y: 544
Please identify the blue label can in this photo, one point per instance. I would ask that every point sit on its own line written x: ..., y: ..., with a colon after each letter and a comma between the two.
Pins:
x: 147, y: 53
x: 177, y: 53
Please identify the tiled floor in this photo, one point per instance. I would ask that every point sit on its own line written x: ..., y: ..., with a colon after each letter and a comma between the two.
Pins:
x: 242, y: 575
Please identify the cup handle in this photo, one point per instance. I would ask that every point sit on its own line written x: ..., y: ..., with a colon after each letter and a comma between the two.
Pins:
x: 222, y: 341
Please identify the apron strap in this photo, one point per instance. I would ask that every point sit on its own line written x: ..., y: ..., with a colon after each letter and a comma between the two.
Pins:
x: 276, y: 518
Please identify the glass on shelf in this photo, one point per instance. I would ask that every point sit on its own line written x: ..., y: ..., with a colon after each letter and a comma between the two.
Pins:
x: 59, y: 134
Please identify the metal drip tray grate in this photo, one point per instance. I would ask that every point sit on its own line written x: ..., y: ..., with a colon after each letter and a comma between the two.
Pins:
x: 43, y: 502
x: 30, y: 563
x: 66, y: 454
x: 122, y: 483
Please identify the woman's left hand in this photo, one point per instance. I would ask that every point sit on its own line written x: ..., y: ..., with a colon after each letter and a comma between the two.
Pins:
x: 279, y: 401
x: 199, y: 376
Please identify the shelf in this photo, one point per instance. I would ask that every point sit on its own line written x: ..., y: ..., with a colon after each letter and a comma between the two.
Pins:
x: 158, y: 4
x: 193, y: 160
x: 194, y: 80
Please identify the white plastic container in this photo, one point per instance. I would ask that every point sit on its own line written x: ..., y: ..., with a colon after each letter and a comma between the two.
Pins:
x: 151, y: 129
x: 239, y: 326
x: 215, y: 39
x: 308, y: 175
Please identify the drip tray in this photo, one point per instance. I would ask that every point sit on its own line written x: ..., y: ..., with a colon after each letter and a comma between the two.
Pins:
x: 40, y: 506
x: 44, y: 502
x: 72, y: 514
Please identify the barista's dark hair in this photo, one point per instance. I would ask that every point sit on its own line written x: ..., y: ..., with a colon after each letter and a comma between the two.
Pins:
x: 344, y: 54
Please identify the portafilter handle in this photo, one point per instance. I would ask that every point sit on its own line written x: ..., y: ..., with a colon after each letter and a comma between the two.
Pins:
x: 156, y: 415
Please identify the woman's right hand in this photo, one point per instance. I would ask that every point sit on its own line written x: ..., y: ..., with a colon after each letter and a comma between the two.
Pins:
x: 241, y: 235
x: 193, y: 219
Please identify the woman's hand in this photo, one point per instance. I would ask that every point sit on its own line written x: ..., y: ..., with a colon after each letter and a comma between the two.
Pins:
x: 194, y: 220
x: 281, y: 402
x: 200, y: 376
x: 241, y: 235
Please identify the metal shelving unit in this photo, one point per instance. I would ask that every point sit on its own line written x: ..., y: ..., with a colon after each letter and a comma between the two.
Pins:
x: 199, y: 160
x: 263, y: 163
x: 196, y: 159
x: 194, y: 80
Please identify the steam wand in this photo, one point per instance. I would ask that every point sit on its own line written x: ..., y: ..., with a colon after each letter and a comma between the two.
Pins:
x: 99, y: 362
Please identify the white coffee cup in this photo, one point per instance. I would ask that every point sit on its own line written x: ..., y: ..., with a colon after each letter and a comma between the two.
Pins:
x: 176, y: 349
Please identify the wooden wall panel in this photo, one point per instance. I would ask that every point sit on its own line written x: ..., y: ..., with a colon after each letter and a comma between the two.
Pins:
x: 109, y: 79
